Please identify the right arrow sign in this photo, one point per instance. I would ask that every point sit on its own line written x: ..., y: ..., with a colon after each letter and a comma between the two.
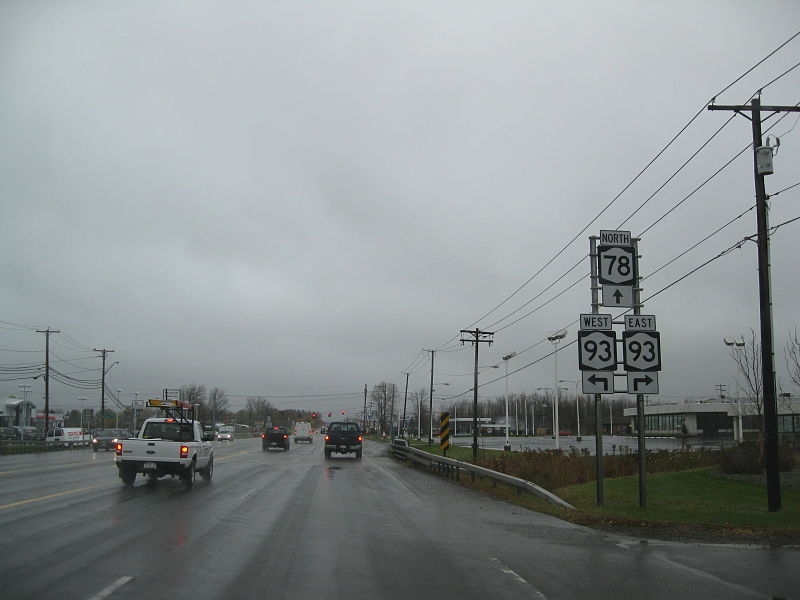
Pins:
x: 643, y: 383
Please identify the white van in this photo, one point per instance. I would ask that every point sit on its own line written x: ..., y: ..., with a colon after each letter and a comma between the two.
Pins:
x: 69, y: 436
x: 303, y: 431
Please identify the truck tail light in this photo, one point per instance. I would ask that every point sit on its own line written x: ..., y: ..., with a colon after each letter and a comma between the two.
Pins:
x: 286, y: 436
x: 263, y: 435
x: 184, y: 451
x: 119, y: 449
x: 327, y: 437
x: 360, y: 439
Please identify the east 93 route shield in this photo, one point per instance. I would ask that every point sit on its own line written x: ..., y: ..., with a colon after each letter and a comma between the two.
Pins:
x: 597, y: 350
x: 642, y: 350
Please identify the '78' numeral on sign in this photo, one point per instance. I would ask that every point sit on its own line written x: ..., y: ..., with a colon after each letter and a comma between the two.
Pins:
x: 616, y: 265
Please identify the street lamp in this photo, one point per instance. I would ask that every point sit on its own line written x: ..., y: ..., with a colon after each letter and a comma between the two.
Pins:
x: 734, y: 343
x: 556, y: 338
x: 577, y: 404
x: 82, y: 409
x: 506, y: 358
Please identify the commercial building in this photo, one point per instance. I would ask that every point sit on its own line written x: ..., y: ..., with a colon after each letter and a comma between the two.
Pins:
x: 715, y: 418
x: 16, y: 411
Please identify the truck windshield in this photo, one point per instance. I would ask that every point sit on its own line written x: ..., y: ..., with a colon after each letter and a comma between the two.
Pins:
x: 177, y: 432
x: 344, y: 427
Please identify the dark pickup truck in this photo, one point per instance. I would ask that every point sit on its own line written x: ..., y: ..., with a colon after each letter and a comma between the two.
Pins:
x: 343, y: 438
x: 277, y: 437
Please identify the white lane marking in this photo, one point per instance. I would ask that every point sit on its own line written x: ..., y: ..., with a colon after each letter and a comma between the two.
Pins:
x: 112, y: 588
x: 509, y: 571
x: 707, y: 575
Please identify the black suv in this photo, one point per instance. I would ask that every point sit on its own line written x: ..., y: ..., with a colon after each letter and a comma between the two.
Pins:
x: 277, y: 437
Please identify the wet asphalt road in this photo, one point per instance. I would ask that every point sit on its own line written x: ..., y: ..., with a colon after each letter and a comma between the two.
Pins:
x: 292, y: 525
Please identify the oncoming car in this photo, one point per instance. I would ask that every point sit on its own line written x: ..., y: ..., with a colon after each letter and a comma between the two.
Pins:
x: 107, y: 438
x: 225, y: 435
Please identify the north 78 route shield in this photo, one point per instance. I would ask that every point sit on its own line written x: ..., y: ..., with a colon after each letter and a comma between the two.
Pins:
x: 597, y: 350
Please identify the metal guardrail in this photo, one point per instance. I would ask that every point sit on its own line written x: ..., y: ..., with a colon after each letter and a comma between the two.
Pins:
x: 28, y: 446
x: 450, y: 467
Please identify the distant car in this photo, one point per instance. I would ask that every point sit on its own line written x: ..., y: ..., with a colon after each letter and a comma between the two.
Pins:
x: 26, y: 432
x: 106, y: 439
x: 7, y: 433
x: 302, y: 432
x: 277, y: 437
x: 225, y: 436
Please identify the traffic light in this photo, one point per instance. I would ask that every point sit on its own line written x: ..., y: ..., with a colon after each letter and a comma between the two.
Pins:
x: 342, y: 412
x: 329, y: 414
x: 313, y: 415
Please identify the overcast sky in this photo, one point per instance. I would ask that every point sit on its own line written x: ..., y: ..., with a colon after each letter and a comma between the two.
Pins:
x: 295, y: 198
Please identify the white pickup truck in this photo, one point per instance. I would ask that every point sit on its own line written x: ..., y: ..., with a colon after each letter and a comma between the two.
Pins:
x: 166, y: 446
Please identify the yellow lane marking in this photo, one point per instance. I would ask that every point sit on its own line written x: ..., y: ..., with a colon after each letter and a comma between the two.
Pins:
x: 61, y: 466
x: 237, y: 454
x: 83, y: 489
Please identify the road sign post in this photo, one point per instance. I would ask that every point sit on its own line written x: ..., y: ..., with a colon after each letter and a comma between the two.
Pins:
x: 615, y: 284
x: 444, y: 432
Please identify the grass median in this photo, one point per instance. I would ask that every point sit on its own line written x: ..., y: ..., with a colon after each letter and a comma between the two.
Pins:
x: 681, y: 500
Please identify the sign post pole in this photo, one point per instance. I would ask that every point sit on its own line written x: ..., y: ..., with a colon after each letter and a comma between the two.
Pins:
x: 598, y: 429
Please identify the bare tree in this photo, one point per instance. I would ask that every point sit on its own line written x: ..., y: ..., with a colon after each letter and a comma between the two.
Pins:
x: 195, y: 394
x: 258, y: 410
x: 791, y: 353
x: 217, y: 403
x: 381, y: 397
x: 748, y: 363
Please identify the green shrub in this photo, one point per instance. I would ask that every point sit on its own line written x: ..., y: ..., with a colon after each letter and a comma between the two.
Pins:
x: 742, y: 459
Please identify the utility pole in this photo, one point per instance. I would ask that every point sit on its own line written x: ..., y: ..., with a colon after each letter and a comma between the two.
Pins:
x: 47, y: 333
x: 765, y: 293
x: 391, y: 418
x: 721, y: 390
x: 104, y: 352
x: 365, y: 407
x: 405, y: 399
x: 478, y: 336
x: 430, y: 411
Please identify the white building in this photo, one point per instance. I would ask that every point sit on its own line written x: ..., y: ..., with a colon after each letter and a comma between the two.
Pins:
x: 714, y: 418
x: 16, y: 411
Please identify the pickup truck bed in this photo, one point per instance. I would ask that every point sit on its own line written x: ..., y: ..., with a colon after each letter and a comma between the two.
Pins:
x: 166, y: 447
x: 344, y: 438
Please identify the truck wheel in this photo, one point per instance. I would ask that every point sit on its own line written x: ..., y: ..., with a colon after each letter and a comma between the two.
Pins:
x: 209, y: 470
x: 358, y: 454
x: 188, y: 475
x: 327, y: 454
x: 264, y: 447
x: 128, y: 476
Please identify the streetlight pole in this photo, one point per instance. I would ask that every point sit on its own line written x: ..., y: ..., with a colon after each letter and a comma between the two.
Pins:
x: 506, y: 358
x: 119, y: 403
x: 577, y: 404
x: 82, y: 401
x: 734, y: 343
x: 556, y: 338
